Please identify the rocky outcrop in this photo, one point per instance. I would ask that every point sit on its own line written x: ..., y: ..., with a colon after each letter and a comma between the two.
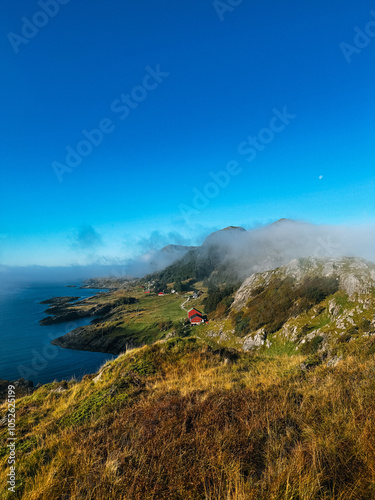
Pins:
x: 59, y: 301
x: 96, y: 338
x: 254, y: 340
x: 332, y: 362
x: 341, y: 315
x: 108, y: 283
x: 62, y: 315
x: 356, y: 276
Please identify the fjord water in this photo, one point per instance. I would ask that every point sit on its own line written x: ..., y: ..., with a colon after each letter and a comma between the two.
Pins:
x: 26, y: 350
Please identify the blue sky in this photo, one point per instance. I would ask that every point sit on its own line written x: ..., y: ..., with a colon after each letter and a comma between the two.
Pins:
x: 218, y: 74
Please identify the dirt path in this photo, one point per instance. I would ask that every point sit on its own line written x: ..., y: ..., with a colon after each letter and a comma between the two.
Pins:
x: 182, y: 305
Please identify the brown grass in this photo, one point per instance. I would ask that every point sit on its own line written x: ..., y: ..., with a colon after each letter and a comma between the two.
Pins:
x: 178, y: 420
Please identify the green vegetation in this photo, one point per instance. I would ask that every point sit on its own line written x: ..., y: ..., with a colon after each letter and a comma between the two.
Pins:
x: 182, y: 286
x: 270, y: 308
x: 179, y: 419
x: 197, y: 417
x: 219, y: 299
x: 312, y: 346
x: 134, y: 319
x: 192, y: 265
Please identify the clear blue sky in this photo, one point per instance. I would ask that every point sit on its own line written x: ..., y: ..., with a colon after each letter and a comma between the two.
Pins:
x: 221, y: 73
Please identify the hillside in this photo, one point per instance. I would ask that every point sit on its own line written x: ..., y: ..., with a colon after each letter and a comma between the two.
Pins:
x: 308, y: 300
x: 311, y: 304
x: 123, y: 318
x: 356, y: 276
x: 272, y: 398
x: 200, y: 262
x: 180, y: 419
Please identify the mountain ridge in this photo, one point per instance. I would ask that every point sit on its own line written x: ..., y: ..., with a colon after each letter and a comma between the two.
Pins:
x: 233, y: 253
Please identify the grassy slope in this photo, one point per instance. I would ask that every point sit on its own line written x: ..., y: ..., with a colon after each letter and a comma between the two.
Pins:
x: 189, y: 419
x: 140, y: 322
x: 337, y: 319
x: 137, y: 324
x: 177, y: 420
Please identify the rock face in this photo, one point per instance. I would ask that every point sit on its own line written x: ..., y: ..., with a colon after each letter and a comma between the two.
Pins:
x: 345, y: 314
x: 331, y: 363
x: 356, y: 275
x: 254, y: 340
x: 96, y: 339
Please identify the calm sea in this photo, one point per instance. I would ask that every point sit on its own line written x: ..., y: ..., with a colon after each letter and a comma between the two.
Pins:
x: 26, y: 350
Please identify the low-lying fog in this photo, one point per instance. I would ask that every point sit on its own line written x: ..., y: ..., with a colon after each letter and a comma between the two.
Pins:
x: 279, y: 243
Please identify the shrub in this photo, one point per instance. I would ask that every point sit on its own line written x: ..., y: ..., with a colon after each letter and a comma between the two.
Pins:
x: 219, y: 295
x: 365, y: 325
x: 257, y: 291
x: 182, y: 329
x: 165, y: 325
x: 353, y: 330
x: 125, y: 301
x: 315, y: 289
x: 311, y: 346
x: 312, y: 361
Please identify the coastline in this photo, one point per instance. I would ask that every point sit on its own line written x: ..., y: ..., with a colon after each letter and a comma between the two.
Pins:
x: 27, y: 352
x: 99, y: 335
x: 85, y: 338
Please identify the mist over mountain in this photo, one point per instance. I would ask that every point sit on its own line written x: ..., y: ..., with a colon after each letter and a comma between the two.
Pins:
x: 230, y: 254
x: 155, y: 260
x: 233, y: 253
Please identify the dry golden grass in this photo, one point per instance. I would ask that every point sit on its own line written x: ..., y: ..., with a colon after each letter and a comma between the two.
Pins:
x: 178, y: 420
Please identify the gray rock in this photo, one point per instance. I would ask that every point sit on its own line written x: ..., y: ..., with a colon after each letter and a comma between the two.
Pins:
x: 254, y: 340
x: 357, y: 276
x: 331, y: 363
x: 333, y: 308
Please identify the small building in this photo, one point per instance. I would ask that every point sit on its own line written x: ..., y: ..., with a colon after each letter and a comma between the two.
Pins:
x: 196, y: 317
x: 161, y: 294
x: 193, y: 311
x: 195, y: 295
x: 147, y: 291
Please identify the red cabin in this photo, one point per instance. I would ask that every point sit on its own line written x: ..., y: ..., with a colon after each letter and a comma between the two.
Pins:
x: 196, y: 319
x: 194, y: 311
